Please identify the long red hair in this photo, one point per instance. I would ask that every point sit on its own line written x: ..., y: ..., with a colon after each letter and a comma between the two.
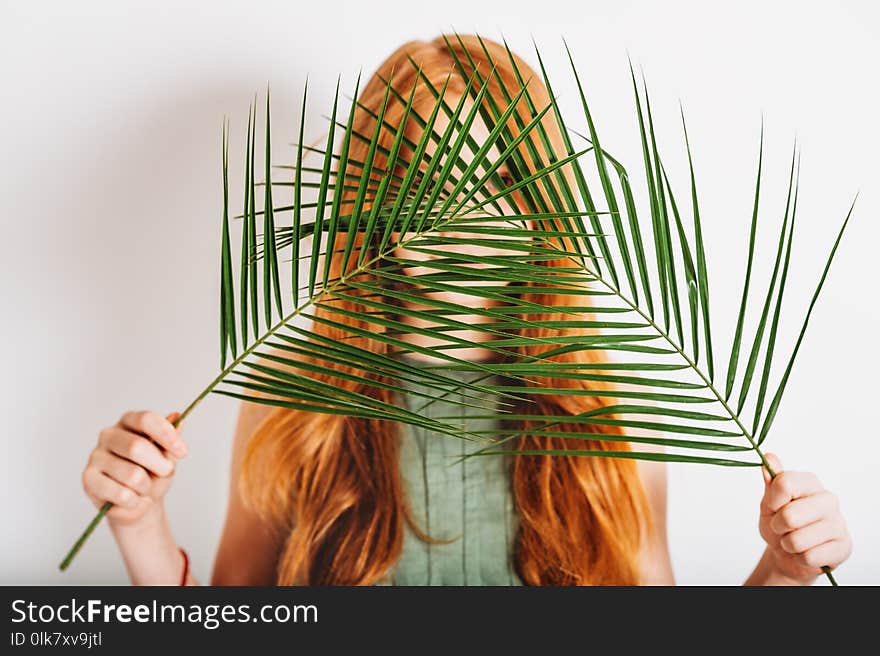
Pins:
x: 332, y: 482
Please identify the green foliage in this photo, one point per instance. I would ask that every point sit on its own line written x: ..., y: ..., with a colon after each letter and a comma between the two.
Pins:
x: 641, y: 296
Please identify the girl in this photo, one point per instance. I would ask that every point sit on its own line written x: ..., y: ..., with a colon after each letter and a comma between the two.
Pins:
x: 329, y: 499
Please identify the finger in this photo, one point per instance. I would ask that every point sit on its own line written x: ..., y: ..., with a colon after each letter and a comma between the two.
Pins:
x: 804, y: 539
x: 775, y: 464
x: 125, y: 472
x: 106, y: 489
x: 804, y: 511
x: 183, y: 449
x: 95, y: 500
x: 829, y: 554
x: 139, y: 450
x: 157, y: 428
x: 172, y: 417
x: 788, y: 486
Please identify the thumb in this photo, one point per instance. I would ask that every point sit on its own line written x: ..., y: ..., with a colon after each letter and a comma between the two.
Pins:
x: 173, y: 417
x: 179, y: 449
x: 775, y: 464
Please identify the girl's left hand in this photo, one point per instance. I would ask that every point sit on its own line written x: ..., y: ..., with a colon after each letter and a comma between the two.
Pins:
x: 802, y: 524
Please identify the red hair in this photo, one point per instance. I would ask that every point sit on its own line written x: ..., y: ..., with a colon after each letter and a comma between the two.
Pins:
x: 333, y: 482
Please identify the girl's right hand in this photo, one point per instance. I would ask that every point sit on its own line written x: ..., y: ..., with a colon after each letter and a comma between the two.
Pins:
x: 133, y: 465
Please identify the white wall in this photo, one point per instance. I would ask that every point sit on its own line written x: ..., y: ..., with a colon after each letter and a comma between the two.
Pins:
x: 109, y: 161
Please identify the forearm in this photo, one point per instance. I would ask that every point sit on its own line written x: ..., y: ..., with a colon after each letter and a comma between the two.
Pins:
x: 151, y: 554
x: 766, y: 573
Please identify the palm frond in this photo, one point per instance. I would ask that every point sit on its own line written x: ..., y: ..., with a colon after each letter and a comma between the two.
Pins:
x: 338, y: 342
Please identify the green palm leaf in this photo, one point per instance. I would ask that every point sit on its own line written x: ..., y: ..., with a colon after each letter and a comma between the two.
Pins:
x: 339, y: 343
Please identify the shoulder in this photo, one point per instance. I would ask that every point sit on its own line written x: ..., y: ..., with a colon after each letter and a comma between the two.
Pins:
x: 252, y: 413
x: 652, y: 472
x: 249, y: 544
x: 655, y: 558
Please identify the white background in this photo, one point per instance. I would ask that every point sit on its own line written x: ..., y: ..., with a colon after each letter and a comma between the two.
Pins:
x: 110, y: 161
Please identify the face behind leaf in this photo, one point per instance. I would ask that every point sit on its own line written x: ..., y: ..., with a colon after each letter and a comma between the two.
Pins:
x: 464, y: 248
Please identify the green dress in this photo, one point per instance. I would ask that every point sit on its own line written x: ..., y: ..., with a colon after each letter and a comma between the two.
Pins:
x: 469, y: 501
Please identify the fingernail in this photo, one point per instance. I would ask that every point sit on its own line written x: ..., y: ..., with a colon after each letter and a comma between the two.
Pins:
x: 179, y: 449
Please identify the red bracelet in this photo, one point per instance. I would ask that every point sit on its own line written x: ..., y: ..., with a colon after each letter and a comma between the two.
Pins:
x: 185, y: 566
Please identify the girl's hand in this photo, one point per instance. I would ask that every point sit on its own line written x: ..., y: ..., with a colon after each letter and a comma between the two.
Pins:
x: 802, y: 525
x: 133, y: 465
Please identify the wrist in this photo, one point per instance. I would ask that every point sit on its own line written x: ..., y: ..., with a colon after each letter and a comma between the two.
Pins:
x: 149, y: 550
x: 153, y: 519
x: 768, y: 572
